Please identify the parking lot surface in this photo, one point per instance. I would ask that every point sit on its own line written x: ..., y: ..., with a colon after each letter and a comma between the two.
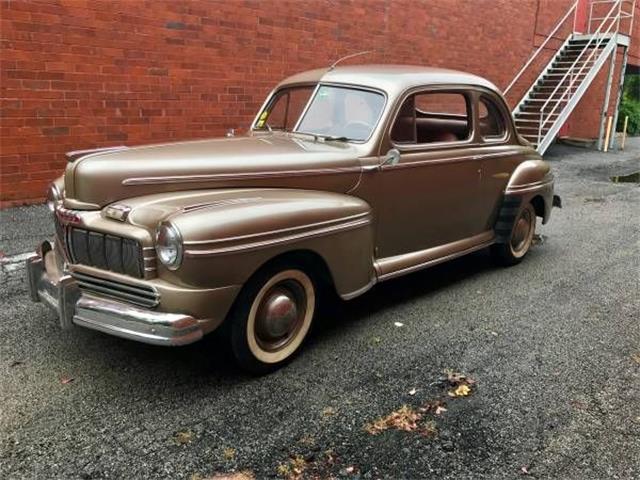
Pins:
x: 550, y: 349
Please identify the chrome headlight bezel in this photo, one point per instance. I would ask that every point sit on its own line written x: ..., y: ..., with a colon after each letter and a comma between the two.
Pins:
x: 169, y: 245
x: 54, y: 197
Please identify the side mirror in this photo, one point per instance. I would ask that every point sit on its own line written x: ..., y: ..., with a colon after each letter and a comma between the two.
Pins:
x: 231, y: 132
x: 392, y: 157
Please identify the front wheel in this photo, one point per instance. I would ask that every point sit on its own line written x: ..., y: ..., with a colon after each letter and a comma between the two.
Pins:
x: 272, y: 317
x: 516, y: 247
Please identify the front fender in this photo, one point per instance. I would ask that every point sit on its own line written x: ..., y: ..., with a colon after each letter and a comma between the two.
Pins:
x: 228, y: 234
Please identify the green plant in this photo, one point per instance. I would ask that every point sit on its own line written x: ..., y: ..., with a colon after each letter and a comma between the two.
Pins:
x: 630, y: 105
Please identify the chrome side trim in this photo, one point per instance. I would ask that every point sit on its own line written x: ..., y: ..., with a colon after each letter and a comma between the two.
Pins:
x: 275, y: 232
x: 428, y: 263
x: 236, y: 176
x: 279, y: 241
x: 437, y: 161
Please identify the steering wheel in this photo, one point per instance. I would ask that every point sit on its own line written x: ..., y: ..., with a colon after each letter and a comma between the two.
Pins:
x: 360, y: 126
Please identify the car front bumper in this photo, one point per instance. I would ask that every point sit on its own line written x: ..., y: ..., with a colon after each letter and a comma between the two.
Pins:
x: 74, y: 307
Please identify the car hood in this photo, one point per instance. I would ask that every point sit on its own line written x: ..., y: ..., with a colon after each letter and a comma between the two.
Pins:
x: 95, y: 179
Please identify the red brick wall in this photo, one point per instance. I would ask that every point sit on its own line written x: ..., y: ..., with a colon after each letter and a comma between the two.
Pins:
x: 78, y: 74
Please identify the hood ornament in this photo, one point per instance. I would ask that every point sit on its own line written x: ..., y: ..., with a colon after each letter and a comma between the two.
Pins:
x: 117, y: 212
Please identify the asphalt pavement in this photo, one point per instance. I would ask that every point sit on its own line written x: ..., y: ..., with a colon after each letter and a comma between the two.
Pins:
x: 550, y: 351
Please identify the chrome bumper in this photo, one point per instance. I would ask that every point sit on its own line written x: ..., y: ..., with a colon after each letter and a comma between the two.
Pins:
x: 64, y: 297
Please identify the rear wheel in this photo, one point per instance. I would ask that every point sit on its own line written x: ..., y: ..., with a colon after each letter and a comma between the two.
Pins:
x: 272, y: 317
x: 520, y: 240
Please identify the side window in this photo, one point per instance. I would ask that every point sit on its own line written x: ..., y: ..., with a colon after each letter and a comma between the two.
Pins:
x: 492, y: 124
x: 285, y: 109
x: 433, y: 117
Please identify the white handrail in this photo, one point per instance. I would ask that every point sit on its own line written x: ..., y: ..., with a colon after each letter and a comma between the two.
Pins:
x: 599, y: 36
x: 535, y: 54
x: 622, y: 13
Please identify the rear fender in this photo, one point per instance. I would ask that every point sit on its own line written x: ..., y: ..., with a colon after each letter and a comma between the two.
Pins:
x: 531, y: 182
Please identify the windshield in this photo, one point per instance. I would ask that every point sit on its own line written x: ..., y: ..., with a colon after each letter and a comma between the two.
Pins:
x: 342, y: 112
x: 336, y: 113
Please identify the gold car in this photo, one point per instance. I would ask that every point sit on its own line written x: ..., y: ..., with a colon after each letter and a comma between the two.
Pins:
x: 348, y: 176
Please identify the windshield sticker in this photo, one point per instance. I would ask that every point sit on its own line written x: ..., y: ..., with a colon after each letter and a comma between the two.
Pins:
x: 262, y: 119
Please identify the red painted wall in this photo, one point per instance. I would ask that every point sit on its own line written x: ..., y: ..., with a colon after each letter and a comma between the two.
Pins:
x: 78, y: 74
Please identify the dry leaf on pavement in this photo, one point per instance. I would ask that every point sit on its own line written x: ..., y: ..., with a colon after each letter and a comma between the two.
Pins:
x: 405, y: 418
x: 460, y: 391
x: 182, y: 438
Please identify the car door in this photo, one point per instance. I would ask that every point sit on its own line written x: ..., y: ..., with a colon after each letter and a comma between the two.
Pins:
x: 432, y: 188
x: 501, y: 153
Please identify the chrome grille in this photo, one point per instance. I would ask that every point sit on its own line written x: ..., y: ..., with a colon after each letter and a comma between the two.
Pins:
x: 61, y: 236
x: 143, y: 295
x: 108, y: 252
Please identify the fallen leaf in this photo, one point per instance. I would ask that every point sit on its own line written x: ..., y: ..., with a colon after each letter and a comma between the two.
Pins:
x: 460, y: 391
x: 307, y: 440
x: 456, y: 378
x: 349, y: 469
x: 412, y: 391
x: 244, y: 475
x: 182, y: 438
x: 429, y: 429
x: 66, y: 380
x: 405, y: 418
x: 398, y: 324
x: 440, y: 410
x: 229, y: 453
x: 636, y: 357
x: 328, y: 411
x: 524, y: 471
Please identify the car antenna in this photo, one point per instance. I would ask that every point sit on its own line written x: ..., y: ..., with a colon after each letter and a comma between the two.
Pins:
x: 348, y: 56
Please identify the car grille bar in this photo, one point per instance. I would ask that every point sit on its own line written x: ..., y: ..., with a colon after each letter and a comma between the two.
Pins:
x: 108, y: 252
x: 143, y: 295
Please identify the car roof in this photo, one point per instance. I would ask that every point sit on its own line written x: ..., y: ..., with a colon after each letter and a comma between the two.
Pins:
x: 393, y: 79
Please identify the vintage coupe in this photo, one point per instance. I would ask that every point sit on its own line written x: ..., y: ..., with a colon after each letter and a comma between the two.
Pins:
x: 348, y: 176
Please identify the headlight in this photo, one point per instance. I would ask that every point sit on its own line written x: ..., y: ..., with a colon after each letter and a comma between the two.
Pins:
x: 54, y: 197
x: 169, y: 246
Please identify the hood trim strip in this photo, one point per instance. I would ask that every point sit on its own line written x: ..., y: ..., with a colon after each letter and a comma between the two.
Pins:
x: 236, y: 176
x: 343, y: 220
x: 279, y: 241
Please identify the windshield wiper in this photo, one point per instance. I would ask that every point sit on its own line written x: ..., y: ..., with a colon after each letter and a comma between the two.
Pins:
x: 330, y: 138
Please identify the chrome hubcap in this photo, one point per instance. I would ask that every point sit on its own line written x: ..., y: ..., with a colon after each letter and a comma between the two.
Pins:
x: 522, y: 231
x: 280, y: 315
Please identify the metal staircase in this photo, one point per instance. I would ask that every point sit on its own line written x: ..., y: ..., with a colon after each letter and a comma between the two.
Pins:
x: 546, y: 105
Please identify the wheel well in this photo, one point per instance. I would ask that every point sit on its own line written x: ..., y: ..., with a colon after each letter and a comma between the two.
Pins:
x: 538, y: 205
x: 311, y: 261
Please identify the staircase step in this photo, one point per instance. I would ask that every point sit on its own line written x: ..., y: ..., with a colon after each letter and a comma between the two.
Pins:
x: 532, y: 116
x: 583, y: 74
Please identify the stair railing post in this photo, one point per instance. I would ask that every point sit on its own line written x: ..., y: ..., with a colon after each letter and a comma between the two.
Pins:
x: 619, y: 96
x: 607, y: 95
